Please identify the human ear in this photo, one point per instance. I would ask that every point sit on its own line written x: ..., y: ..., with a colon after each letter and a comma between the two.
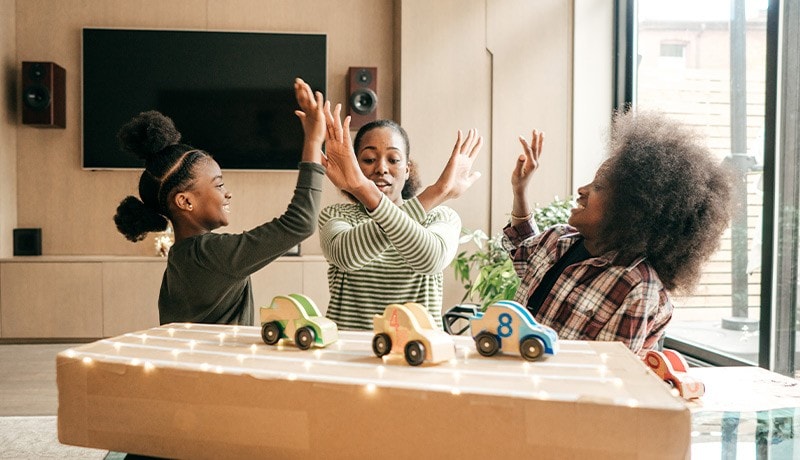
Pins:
x: 183, y: 201
x: 409, y: 165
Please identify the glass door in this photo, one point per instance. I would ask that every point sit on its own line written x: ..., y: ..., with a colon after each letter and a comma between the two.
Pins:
x: 704, y: 63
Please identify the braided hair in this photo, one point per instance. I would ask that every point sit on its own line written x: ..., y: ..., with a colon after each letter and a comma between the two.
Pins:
x: 169, y: 169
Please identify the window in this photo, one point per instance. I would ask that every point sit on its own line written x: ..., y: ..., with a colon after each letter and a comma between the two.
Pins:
x: 672, y: 50
x: 726, y: 88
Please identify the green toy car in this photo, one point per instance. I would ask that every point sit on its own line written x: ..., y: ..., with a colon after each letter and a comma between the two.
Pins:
x: 296, y: 317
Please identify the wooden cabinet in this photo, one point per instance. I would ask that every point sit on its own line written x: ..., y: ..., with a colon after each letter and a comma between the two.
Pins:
x: 63, y: 297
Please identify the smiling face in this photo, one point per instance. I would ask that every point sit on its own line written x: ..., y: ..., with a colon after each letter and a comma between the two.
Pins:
x: 208, y: 196
x: 383, y: 159
x: 591, y: 208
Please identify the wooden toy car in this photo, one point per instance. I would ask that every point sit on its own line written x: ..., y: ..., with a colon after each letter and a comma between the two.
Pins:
x: 410, y: 329
x: 671, y: 367
x: 506, y: 325
x: 296, y: 317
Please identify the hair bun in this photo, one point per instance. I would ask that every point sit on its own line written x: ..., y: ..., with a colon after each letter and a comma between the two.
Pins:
x: 147, y: 134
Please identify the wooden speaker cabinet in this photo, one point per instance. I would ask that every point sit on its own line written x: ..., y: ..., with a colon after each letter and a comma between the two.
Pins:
x: 44, y: 94
x: 362, y: 95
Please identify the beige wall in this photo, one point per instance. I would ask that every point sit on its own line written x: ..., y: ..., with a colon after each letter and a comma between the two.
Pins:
x: 502, y: 66
x: 74, y: 207
x: 8, y: 127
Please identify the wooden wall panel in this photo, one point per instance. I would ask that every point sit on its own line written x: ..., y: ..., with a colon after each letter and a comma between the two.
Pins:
x: 8, y: 127
x: 51, y: 299
x: 130, y: 295
x: 75, y: 207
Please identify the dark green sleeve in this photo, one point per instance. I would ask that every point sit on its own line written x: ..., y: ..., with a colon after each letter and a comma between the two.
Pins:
x: 244, y: 253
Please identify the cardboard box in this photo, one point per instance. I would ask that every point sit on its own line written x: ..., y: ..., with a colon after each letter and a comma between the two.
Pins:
x: 213, y: 391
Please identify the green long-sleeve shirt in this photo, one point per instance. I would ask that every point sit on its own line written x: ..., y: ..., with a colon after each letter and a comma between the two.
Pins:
x: 207, y: 279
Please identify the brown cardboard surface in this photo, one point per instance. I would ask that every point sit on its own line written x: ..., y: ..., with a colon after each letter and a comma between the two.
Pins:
x: 212, y: 391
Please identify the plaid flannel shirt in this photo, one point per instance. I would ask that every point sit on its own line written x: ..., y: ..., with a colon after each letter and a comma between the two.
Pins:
x: 593, y: 299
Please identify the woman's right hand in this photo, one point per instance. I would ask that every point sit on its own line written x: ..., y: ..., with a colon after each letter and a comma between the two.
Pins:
x: 527, y: 163
x: 340, y: 160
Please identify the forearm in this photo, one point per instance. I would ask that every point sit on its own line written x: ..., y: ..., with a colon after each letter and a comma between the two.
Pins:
x: 351, y: 247
x: 426, y: 249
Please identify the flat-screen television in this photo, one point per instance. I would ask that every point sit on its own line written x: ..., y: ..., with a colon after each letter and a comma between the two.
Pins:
x: 229, y: 93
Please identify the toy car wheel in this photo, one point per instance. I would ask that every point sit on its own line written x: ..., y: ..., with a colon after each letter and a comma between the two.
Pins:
x: 271, y: 333
x: 304, y: 338
x: 381, y: 344
x: 415, y: 353
x: 487, y: 344
x: 531, y: 348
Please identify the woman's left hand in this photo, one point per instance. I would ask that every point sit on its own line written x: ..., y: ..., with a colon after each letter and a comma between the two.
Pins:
x: 458, y: 175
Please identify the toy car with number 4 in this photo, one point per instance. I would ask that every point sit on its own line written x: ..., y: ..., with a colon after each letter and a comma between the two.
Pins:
x: 411, y: 330
x: 506, y: 325
x: 671, y: 367
x: 296, y: 317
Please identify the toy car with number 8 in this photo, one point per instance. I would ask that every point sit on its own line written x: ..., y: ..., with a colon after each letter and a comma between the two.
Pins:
x: 506, y: 325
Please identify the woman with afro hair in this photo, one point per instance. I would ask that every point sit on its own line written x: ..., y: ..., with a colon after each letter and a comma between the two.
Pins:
x: 207, y: 279
x: 641, y: 230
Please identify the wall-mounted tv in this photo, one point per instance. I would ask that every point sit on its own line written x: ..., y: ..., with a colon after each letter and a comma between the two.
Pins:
x: 229, y: 93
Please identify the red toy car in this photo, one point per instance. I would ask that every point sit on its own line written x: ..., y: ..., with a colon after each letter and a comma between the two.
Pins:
x: 671, y: 367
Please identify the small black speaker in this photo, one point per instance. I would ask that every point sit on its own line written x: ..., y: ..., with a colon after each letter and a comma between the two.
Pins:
x: 27, y: 241
x: 362, y: 96
x: 44, y: 94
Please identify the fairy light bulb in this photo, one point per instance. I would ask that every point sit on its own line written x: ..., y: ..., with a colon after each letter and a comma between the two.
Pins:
x: 171, y: 332
x: 148, y: 366
x: 370, y: 388
x: 87, y: 360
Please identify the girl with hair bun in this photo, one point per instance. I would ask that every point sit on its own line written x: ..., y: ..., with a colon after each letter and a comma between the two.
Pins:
x: 207, y: 279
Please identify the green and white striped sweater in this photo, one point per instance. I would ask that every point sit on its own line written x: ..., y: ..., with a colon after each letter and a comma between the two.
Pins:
x: 394, y: 254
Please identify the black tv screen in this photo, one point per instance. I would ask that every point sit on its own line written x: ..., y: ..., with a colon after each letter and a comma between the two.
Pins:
x: 229, y: 93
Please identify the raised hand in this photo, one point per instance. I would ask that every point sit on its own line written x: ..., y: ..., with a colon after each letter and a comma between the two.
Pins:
x: 457, y: 175
x: 340, y: 160
x: 527, y: 163
x: 312, y: 118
